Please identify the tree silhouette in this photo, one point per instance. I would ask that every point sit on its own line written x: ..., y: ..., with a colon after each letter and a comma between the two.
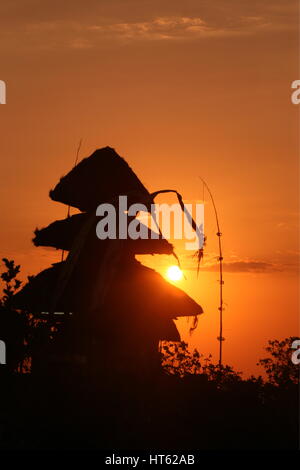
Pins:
x: 178, y: 360
x: 279, y: 367
x: 12, y: 284
x: 13, y: 325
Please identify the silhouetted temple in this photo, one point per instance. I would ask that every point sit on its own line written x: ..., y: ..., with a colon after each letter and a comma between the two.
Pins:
x: 108, y: 312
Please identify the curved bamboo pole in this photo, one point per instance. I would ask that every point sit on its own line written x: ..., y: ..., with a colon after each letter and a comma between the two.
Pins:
x: 220, y: 259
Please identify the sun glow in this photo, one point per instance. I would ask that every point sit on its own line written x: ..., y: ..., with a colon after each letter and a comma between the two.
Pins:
x: 174, y: 273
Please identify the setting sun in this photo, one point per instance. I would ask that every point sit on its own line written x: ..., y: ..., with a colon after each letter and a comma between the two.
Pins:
x: 174, y: 273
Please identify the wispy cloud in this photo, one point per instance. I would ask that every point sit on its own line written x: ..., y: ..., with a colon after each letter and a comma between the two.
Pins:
x: 102, y: 26
x: 161, y: 28
x: 245, y: 267
x: 185, y: 27
x: 234, y: 264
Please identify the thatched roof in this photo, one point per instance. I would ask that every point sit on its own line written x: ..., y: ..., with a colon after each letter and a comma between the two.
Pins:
x: 158, y: 294
x: 136, y: 291
x: 98, y: 179
x: 36, y: 296
x: 62, y: 233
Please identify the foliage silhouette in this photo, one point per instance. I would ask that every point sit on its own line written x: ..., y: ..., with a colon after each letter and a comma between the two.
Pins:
x: 235, y: 413
x: 278, y: 366
x: 12, y: 284
x: 12, y: 324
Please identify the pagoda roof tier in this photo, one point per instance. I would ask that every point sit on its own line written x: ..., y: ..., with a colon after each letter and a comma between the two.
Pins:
x: 62, y: 233
x: 98, y: 179
x: 136, y: 290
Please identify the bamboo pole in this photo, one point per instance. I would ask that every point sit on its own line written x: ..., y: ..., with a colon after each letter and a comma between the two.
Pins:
x: 221, y: 281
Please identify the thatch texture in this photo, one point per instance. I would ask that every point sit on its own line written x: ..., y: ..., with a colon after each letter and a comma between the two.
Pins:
x: 120, y: 308
x: 97, y: 179
x: 62, y: 233
x: 137, y: 290
x: 37, y: 295
x: 156, y: 294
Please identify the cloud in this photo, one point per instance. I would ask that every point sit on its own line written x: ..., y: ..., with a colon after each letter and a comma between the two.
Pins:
x: 49, y: 25
x: 192, y: 27
x: 245, y: 267
x: 233, y: 264
x: 161, y: 28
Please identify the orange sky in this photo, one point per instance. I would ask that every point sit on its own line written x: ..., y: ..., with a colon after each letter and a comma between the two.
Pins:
x: 181, y: 89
